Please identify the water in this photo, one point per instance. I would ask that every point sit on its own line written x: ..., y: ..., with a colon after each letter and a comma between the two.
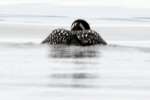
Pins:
x: 113, y: 72
x: 32, y: 71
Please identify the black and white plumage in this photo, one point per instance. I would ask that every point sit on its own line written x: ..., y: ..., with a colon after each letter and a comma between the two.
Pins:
x: 59, y: 36
x: 80, y: 34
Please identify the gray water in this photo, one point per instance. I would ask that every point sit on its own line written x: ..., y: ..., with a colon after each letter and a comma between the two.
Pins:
x: 41, y: 72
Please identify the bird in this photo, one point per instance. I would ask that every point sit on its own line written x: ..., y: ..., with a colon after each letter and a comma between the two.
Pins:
x: 79, y: 34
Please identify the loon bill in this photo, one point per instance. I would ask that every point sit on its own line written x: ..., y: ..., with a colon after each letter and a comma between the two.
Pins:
x: 80, y: 34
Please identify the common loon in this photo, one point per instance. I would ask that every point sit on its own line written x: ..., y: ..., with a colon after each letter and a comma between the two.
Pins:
x: 80, y: 34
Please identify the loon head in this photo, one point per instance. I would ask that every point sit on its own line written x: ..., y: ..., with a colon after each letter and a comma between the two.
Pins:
x: 79, y: 25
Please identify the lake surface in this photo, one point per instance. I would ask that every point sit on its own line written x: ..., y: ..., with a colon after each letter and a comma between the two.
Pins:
x: 31, y: 71
x: 41, y: 72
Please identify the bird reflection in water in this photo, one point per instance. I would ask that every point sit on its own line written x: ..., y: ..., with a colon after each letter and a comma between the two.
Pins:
x: 81, y: 73
x: 76, y: 80
x: 62, y: 51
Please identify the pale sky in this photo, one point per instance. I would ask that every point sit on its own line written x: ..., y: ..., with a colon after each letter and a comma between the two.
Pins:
x: 120, y: 3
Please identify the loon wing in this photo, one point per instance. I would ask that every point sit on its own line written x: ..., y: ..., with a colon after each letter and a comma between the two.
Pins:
x: 89, y: 37
x: 58, y: 36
